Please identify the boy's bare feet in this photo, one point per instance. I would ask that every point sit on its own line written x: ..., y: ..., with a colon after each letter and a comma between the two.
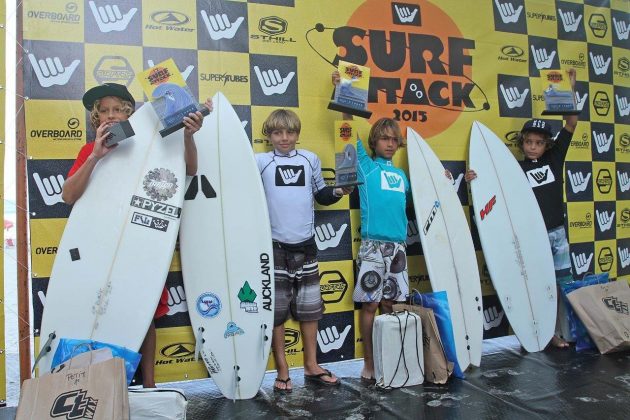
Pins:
x: 559, y: 342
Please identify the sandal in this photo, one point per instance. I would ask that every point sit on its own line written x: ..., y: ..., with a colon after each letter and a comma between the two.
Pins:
x: 319, y: 378
x: 286, y: 384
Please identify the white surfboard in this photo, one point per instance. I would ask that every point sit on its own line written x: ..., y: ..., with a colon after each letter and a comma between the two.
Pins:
x: 118, y: 243
x: 514, y: 239
x: 448, y: 247
x: 227, y: 256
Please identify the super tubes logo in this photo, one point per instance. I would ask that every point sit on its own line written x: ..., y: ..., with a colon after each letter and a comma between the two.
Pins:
x: 488, y: 207
x: 419, y: 73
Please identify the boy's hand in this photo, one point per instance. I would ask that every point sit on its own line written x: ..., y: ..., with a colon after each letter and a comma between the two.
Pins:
x: 572, y: 77
x: 102, y: 132
x: 336, y: 78
x: 194, y: 120
x: 339, y: 192
x: 448, y: 174
x: 470, y: 175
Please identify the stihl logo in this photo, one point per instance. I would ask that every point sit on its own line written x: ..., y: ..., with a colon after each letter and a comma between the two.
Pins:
x: 616, y: 305
x: 488, y: 208
x: 74, y: 405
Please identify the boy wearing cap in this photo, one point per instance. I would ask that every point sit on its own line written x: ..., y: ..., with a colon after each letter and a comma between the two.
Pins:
x: 544, y: 154
x: 108, y: 104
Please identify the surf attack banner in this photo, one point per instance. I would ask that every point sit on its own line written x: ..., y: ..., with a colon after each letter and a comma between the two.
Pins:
x: 435, y: 66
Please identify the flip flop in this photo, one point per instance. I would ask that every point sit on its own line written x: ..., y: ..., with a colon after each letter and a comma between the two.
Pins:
x: 320, y: 380
x: 368, y: 381
x: 285, y: 382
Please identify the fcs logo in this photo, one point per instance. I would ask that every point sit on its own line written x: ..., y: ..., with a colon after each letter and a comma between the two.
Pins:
x: 273, y: 25
x: 540, y: 176
x: 488, y: 207
x: 74, y: 405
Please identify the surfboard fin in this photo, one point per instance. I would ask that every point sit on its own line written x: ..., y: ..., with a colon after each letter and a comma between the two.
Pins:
x: 198, y: 342
x: 46, y: 348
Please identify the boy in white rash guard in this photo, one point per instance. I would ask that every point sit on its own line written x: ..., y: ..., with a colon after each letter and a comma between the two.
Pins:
x: 293, y: 180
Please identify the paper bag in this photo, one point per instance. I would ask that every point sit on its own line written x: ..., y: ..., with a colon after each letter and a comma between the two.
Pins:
x: 97, y: 391
x: 603, y: 308
x: 437, y: 369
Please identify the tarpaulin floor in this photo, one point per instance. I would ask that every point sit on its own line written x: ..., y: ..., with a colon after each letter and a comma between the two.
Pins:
x: 510, y: 383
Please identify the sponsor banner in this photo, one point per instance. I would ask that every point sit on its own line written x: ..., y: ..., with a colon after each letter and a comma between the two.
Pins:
x: 166, y: 24
x: 336, y: 282
x: 487, y: 289
x: 293, y: 345
x: 418, y: 274
x: 581, y: 223
x: 495, y: 322
x: 45, y: 237
x: 604, y: 181
x: 120, y: 65
x: 226, y: 72
x: 175, y: 356
x: 335, y: 337
x: 177, y: 315
x: 606, y: 257
x: 58, y: 20
x: 45, y: 184
x: 55, y: 138
x: 333, y: 235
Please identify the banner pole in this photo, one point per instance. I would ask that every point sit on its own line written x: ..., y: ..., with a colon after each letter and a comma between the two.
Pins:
x: 23, y: 299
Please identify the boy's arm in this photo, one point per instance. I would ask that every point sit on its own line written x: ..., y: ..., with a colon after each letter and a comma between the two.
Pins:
x: 192, y: 124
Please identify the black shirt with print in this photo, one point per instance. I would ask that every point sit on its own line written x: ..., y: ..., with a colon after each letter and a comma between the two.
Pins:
x: 545, y: 175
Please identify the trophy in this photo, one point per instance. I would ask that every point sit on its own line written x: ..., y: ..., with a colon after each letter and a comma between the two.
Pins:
x: 558, y: 94
x: 171, y: 98
x: 351, y: 94
x: 346, y: 155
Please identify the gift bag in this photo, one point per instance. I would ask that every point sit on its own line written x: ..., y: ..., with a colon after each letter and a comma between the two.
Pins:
x: 97, y: 391
x: 578, y: 331
x: 398, y: 359
x: 438, y: 302
x: 603, y: 308
x: 437, y: 369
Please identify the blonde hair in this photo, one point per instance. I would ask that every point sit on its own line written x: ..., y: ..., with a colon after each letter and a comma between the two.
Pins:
x: 281, y: 119
x: 127, y: 108
x: 378, y: 130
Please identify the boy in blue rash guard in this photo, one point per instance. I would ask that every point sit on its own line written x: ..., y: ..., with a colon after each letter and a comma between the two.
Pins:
x: 382, y: 260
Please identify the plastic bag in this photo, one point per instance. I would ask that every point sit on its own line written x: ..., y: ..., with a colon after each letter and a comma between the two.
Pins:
x: 582, y: 340
x: 438, y: 301
x: 70, y: 347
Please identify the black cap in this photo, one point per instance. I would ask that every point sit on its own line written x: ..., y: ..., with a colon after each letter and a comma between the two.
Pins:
x: 107, y: 89
x: 538, y: 126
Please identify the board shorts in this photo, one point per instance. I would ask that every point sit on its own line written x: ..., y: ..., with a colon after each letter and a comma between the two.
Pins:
x: 296, y: 281
x: 382, y: 272
x: 560, y: 251
x: 162, y: 308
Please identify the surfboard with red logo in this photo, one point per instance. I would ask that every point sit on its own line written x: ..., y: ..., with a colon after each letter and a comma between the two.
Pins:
x: 448, y: 247
x: 514, y: 239
x: 118, y: 243
x: 227, y: 256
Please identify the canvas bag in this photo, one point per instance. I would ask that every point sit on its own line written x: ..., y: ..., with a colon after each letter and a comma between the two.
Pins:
x: 604, y: 310
x: 97, y: 391
x: 398, y: 358
x: 157, y: 404
x: 436, y: 368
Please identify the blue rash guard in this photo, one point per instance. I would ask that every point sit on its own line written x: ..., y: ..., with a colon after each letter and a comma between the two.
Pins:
x: 383, y: 198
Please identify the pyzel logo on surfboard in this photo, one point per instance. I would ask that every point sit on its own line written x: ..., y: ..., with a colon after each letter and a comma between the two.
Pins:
x: 160, y: 184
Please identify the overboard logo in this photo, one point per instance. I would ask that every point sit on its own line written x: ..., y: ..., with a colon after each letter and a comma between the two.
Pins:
x: 208, y: 305
x: 149, y: 221
x: 70, y: 16
x: 583, y: 224
x: 74, y: 405
x: 605, y: 259
x: 420, y: 69
x: 72, y: 133
x: 333, y: 286
x: 614, y: 304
